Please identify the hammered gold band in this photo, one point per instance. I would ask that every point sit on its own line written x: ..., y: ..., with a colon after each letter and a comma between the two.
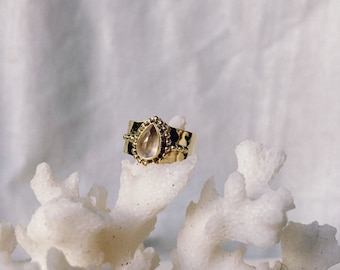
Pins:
x: 154, y: 141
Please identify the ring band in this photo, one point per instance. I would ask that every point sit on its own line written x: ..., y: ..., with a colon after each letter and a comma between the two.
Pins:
x: 154, y: 141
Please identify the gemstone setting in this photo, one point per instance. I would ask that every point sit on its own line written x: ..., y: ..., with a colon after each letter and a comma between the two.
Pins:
x: 152, y: 141
x: 148, y: 143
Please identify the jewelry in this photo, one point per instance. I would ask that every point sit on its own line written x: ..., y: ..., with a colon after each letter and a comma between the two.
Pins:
x: 153, y: 141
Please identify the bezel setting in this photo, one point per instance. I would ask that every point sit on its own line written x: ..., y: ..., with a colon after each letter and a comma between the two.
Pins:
x: 154, y: 141
x: 163, y: 132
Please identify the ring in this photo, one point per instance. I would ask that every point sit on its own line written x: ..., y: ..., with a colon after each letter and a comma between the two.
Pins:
x: 154, y: 141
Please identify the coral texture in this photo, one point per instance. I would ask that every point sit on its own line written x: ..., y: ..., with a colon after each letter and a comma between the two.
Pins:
x: 7, y: 238
x: 82, y: 227
x: 309, y: 246
x: 82, y: 232
x: 73, y: 232
x: 250, y: 212
x: 7, y: 245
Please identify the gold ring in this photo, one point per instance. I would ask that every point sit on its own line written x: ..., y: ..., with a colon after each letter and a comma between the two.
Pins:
x: 154, y: 141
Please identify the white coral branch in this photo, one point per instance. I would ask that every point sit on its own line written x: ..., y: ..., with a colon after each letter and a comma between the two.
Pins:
x: 236, y: 216
x: 80, y: 233
x: 46, y: 187
x: 258, y: 164
x: 309, y: 246
x: 8, y: 241
x: 84, y: 230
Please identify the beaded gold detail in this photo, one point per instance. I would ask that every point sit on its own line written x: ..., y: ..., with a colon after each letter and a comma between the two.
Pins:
x: 154, y: 141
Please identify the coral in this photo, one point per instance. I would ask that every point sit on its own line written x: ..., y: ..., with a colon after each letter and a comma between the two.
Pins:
x: 7, y: 245
x: 309, y: 246
x: 266, y: 266
x: 73, y: 232
x: 82, y: 227
x: 250, y: 212
x: 84, y: 230
x: 7, y: 238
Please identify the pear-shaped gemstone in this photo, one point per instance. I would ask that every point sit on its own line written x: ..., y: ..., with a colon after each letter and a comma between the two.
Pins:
x: 148, y: 142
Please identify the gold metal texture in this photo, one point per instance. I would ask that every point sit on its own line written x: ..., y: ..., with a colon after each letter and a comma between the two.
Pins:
x: 154, y: 141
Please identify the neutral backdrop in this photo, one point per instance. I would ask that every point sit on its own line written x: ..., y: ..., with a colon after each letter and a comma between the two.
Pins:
x: 73, y: 73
